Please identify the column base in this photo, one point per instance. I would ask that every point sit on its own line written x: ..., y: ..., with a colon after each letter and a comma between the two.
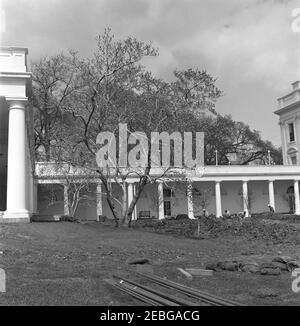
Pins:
x: 17, y: 217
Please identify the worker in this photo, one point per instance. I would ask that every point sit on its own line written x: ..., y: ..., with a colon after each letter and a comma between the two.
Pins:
x: 204, y: 213
x: 227, y: 213
x: 272, y: 210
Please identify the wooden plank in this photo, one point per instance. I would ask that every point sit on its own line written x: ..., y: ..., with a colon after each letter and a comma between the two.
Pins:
x: 199, y: 271
x: 185, y: 273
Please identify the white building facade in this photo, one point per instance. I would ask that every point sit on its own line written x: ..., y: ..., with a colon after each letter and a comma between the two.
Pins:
x: 23, y: 182
x: 289, y: 121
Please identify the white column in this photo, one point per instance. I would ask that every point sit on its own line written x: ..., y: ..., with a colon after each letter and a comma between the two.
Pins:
x: 66, y: 201
x: 218, y: 199
x: 271, y: 194
x: 297, y: 199
x: 190, y: 202
x: 245, y: 198
x: 130, y: 195
x: 283, y: 142
x: 17, y: 166
x: 161, y: 212
x: 99, y: 200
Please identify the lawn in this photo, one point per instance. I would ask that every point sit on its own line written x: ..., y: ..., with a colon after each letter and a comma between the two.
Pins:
x: 64, y: 263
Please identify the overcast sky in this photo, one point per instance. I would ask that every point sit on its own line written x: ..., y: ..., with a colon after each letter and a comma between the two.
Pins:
x: 248, y: 45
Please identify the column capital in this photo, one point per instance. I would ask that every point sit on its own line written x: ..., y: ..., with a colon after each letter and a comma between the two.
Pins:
x: 16, y: 102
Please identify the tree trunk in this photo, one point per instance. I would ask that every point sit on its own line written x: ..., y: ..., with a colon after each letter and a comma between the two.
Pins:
x: 109, y: 197
x: 124, y: 220
x: 136, y: 197
x: 47, y: 151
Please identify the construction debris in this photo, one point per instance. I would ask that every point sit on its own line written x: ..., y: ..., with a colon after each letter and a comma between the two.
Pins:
x: 191, y: 292
x: 249, y: 267
x: 135, y: 261
x: 293, y: 264
x: 270, y: 271
x: 139, y: 292
x: 185, y: 273
x: 231, y: 266
x: 199, y: 271
x: 211, y: 227
x: 282, y: 259
x: 275, y: 267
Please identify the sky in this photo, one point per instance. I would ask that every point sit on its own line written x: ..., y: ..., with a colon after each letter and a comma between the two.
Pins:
x: 248, y: 45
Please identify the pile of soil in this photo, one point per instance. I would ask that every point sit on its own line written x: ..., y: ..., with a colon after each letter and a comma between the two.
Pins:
x: 290, y: 218
x: 275, y: 267
x: 211, y: 227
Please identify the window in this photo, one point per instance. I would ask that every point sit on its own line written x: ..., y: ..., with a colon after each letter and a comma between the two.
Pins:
x: 294, y: 160
x: 167, y: 208
x: 144, y: 214
x: 291, y: 132
x: 168, y: 192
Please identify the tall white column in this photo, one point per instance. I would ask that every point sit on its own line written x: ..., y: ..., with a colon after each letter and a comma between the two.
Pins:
x: 245, y: 198
x: 283, y: 142
x: 218, y: 199
x: 190, y: 202
x: 17, y: 166
x: 161, y: 212
x: 130, y: 195
x: 66, y: 201
x: 99, y: 200
x: 297, y: 199
x: 271, y: 194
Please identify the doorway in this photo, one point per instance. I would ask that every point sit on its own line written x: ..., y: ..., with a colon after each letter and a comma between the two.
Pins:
x: 291, y: 199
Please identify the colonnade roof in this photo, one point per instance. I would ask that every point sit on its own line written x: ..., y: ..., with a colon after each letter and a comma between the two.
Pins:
x: 51, y: 171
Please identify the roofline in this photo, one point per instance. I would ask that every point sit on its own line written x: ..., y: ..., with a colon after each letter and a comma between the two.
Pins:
x: 287, y: 108
x: 14, y: 48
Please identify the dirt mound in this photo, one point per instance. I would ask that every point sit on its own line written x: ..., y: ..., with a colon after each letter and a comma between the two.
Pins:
x: 289, y: 218
x: 251, y: 228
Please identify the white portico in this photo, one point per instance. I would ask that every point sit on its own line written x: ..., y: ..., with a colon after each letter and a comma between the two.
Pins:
x: 217, y: 188
x: 16, y: 130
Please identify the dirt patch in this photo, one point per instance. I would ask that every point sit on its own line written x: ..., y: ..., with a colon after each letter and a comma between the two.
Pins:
x: 251, y: 228
x: 66, y: 264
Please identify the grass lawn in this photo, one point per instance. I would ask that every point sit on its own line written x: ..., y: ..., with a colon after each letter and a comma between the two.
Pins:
x: 65, y: 263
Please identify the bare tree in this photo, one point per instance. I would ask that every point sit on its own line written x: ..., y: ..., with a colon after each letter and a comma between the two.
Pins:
x: 112, y: 87
x: 52, y: 83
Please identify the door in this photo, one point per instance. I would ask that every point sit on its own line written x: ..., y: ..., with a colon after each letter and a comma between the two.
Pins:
x: 167, y: 208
